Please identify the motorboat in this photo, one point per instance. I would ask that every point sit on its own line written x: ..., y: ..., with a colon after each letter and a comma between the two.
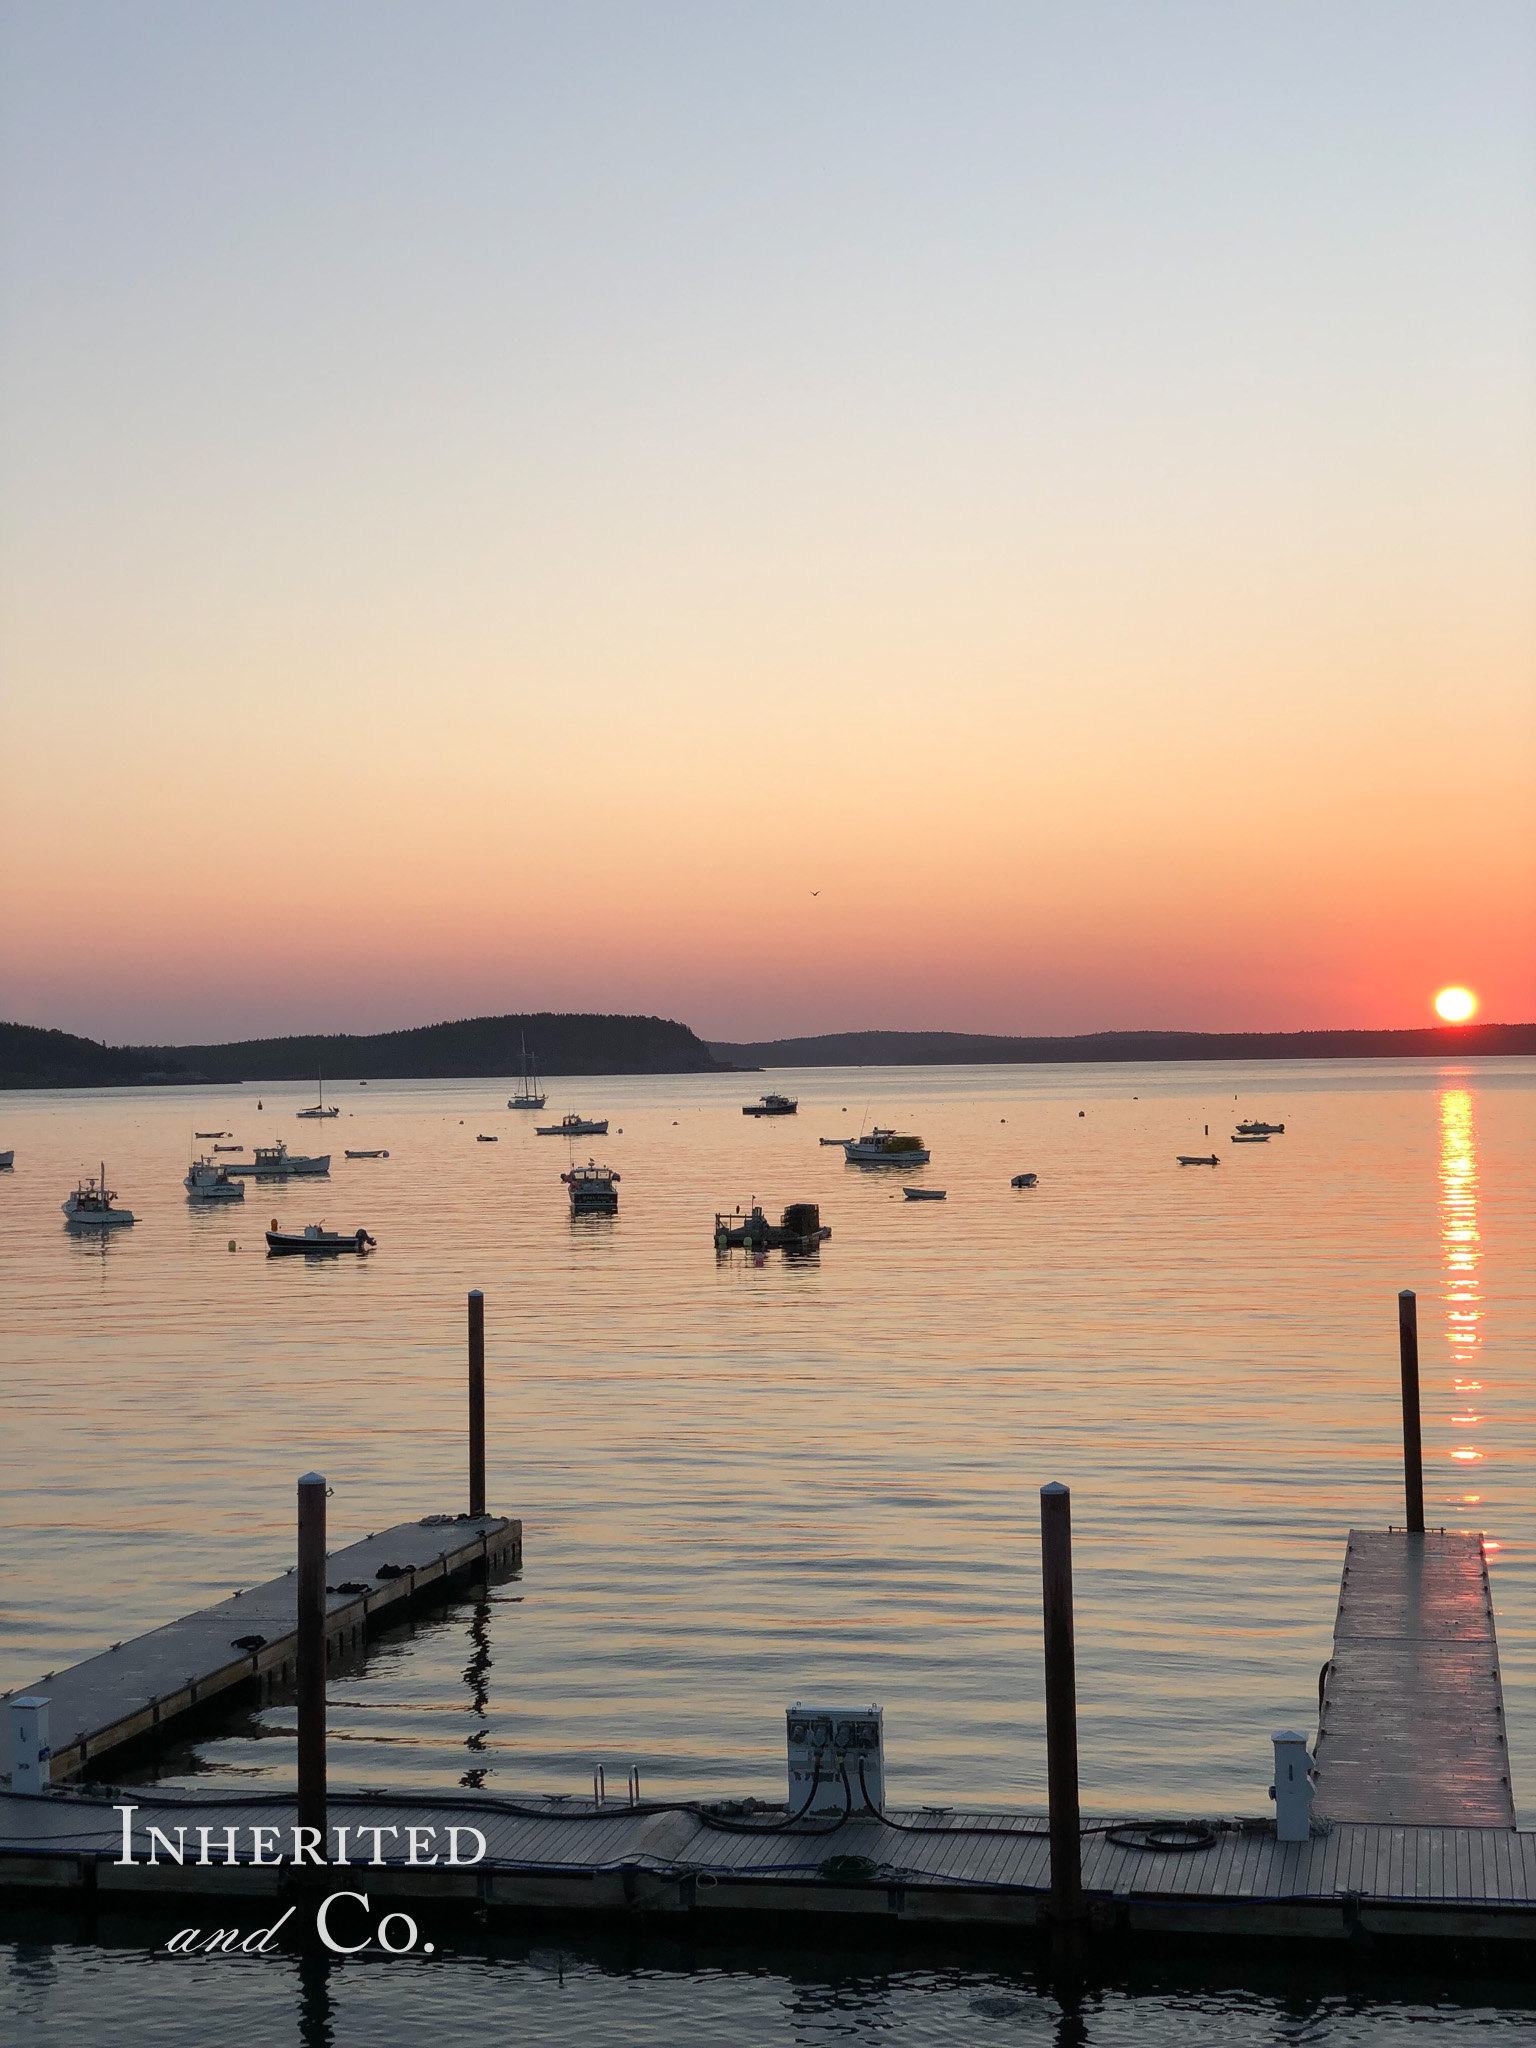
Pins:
x: 771, y: 1105
x: 314, y: 1237
x: 926, y: 1194
x: 799, y: 1229
x: 885, y: 1148
x: 529, y: 1095
x: 207, y: 1181
x: 367, y: 1155
x: 278, y: 1162
x: 1199, y: 1159
x: 319, y: 1109
x: 1256, y: 1130
x: 573, y: 1126
x: 1025, y: 1180
x: 593, y: 1189
x: 94, y: 1204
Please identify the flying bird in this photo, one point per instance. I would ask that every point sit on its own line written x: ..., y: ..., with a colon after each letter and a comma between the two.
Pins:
x: 815, y: 892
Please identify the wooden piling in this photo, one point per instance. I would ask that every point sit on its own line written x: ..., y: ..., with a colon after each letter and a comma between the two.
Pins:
x: 1413, y: 1450
x: 311, y: 1652
x: 476, y: 1402
x: 1061, y: 1719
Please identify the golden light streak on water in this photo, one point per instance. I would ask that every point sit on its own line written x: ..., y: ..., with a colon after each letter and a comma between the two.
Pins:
x: 1461, y: 1257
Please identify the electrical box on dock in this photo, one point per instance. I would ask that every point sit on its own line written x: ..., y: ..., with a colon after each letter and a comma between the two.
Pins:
x: 836, y: 1758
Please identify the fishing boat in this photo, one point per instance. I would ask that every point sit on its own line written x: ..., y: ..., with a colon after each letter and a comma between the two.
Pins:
x: 278, y: 1162
x: 1255, y: 1130
x: 573, y: 1126
x: 529, y: 1095
x: 314, y: 1237
x: 1250, y: 1137
x: 885, y: 1148
x: 593, y: 1189
x: 94, y: 1204
x: 207, y: 1181
x: 1199, y: 1159
x: 799, y: 1229
x: 771, y: 1105
x: 367, y: 1155
x: 1025, y: 1180
x: 926, y: 1194
x: 319, y: 1109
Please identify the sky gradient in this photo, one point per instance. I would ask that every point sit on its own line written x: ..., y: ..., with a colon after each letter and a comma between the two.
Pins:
x: 501, y: 503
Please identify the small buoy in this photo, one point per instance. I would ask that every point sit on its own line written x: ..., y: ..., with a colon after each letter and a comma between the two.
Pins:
x: 274, y: 1223
x: 1082, y: 1112
x: 258, y: 1102
x: 231, y: 1244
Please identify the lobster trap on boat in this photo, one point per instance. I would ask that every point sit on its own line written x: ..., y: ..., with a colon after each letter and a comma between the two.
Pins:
x: 799, y: 1229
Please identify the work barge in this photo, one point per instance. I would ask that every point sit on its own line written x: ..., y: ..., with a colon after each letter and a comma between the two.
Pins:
x: 1402, y: 1836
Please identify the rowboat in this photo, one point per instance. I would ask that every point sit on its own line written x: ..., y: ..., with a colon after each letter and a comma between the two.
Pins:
x: 925, y: 1194
x: 367, y: 1155
x: 1198, y: 1159
x: 1250, y: 1137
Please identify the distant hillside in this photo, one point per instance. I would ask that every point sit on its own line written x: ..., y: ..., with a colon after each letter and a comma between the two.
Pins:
x: 33, y: 1058
x: 458, y: 1051
x: 30, y: 1058
x: 967, y: 1049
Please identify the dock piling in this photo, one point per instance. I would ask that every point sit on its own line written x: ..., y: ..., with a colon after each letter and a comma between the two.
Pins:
x: 310, y: 1652
x: 1413, y: 1451
x: 476, y: 1402
x: 1061, y: 1720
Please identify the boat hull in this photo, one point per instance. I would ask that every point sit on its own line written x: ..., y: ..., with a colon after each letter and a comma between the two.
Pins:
x: 578, y: 1130
x: 870, y: 1155
x: 96, y: 1219
x: 7, y: 1159
x: 282, y: 1241
x: 286, y: 1169
x: 525, y: 1102
x: 231, y: 1191
x: 926, y: 1194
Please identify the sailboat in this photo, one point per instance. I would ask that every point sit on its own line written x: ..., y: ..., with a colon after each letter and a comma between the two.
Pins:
x: 319, y: 1108
x: 529, y: 1095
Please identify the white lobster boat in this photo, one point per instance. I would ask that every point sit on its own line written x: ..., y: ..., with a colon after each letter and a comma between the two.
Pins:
x: 885, y: 1148
x: 278, y: 1162
x: 208, y: 1181
x: 93, y: 1204
x: 573, y: 1126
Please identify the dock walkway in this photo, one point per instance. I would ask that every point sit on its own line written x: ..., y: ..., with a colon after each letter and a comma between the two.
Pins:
x: 1411, y: 1727
x: 145, y: 1683
x: 989, y: 1869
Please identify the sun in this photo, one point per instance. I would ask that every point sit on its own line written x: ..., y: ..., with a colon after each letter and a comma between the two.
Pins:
x: 1455, y: 1005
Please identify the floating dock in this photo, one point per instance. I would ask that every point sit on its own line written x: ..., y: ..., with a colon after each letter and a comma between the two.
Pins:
x: 1412, y: 1840
x: 146, y: 1684
x: 1411, y: 1717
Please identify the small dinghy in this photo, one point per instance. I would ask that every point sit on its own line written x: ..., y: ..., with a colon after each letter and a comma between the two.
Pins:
x: 367, y: 1155
x: 482, y: 1139
x: 314, y: 1237
x: 1250, y: 1137
x: 210, y: 1134
x: 229, y: 1148
x: 1024, y: 1180
x: 1198, y: 1159
x: 831, y: 1141
x: 925, y: 1194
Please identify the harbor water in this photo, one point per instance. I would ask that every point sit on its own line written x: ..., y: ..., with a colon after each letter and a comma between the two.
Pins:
x: 746, y: 1481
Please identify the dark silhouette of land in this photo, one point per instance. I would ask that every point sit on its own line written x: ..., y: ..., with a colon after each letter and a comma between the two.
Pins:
x: 575, y: 1044
x: 590, y: 1044
x: 970, y: 1049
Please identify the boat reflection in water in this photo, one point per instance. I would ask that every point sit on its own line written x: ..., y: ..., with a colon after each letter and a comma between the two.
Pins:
x: 1461, y: 1256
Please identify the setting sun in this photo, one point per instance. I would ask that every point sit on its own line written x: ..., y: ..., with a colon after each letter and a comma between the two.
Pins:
x: 1455, y: 1005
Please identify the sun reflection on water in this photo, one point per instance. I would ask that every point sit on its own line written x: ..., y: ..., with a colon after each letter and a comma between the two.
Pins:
x: 1461, y: 1255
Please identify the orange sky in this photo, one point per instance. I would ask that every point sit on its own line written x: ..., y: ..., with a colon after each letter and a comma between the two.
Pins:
x: 503, y: 537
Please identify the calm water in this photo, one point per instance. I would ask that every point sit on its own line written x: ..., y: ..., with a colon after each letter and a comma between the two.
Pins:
x: 745, y: 1484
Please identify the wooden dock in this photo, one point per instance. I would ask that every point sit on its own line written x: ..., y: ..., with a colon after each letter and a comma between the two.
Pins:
x: 1411, y: 1726
x: 146, y: 1683
x: 680, y: 1865
x: 1413, y: 1837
